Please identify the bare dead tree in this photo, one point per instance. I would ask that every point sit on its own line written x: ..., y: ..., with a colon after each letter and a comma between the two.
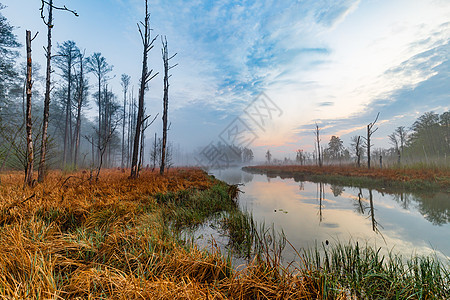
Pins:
x: 398, y: 140
x: 66, y: 58
x: 143, y: 128
x: 97, y: 64
x: 102, y: 146
x: 81, y: 90
x: 125, y: 82
x: 29, y: 124
x: 317, y: 134
x: 146, y: 76
x: 142, y: 145
x: 131, y: 109
x: 370, y: 131
x: 167, y: 67
x: 394, y: 142
x: 48, y: 55
x: 155, y: 153
x: 358, y: 150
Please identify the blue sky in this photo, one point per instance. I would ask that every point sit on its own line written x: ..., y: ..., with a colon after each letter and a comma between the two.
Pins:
x: 336, y: 63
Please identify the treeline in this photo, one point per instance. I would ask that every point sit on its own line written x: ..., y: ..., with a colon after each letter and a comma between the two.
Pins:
x: 74, y: 83
x: 426, y: 141
x: 219, y: 155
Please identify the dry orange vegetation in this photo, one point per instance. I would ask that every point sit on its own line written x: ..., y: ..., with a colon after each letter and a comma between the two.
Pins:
x: 75, y: 193
x: 117, y: 239
x: 433, y: 175
x: 113, y: 239
x: 112, y: 183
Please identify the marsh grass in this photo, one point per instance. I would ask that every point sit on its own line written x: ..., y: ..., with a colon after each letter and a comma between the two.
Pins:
x: 365, y: 273
x: 120, y: 239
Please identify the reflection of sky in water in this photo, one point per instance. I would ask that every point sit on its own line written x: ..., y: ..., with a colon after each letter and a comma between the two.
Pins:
x: 408, y: 224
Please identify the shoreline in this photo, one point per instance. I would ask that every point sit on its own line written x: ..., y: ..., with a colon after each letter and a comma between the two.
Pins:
x: 392, y: 179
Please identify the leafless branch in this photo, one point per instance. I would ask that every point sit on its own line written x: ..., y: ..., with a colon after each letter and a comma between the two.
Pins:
x: 35, y: 36
x: 43, y: 2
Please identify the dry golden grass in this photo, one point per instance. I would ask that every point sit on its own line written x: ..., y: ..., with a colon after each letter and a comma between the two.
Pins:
x: 118, y: 239
x: 111, y: 239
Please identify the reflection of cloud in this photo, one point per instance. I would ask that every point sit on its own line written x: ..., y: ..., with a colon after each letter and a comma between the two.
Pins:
x: 404, y: 231
x: 326, y: 103
x: 319, y: 60
x: 329, y: 225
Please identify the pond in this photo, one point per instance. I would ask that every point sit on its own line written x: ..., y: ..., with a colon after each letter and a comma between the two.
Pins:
x: 310, y: 213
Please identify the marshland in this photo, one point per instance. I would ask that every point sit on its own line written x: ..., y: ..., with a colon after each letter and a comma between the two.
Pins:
x: 224, y: 149
x: 116, y: 238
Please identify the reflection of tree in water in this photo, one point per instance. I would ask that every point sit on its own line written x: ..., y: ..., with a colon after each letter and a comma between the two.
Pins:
x: 372, y: 213
x: 232, y: 176
x: 370, y: 210
x: 435, y: 207
x: 320, y: 196
x: 403, y: 199
x: 269, y: 176
x: 359, y: 205
x: 247, y: 177
x: 301, y: 186
x: 337, y: 190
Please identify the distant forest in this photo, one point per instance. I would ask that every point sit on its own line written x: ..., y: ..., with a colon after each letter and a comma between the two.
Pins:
x: 425, y: 141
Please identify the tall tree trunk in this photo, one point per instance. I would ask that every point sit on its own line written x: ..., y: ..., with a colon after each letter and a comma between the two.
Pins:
x: 78, y: 120
x: 41, y: 169
x: 166, y: 59
x: 129, y: 131
x: 154, y: 154
x: 165, y: 107
x: 29, y: 169
x: 93, y: 151
x: 99, y: 116
x: 369, y: 135
x: 68, y: 126
x: 134, y: 161
x: 368, y: 146
x: 105, y: 121
x: 318, y: 146
x: 141, y: 151
x: 125, y: 83
x: 145, y: 78
x: 358, y: 153
x: 123, y: 128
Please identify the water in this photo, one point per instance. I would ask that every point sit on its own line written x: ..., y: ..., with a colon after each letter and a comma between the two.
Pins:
x: 311, y: 213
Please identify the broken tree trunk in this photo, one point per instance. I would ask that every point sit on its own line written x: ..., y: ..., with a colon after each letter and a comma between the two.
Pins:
x: 29, y: 168
x: 41, y: 169
x: 146, y: 76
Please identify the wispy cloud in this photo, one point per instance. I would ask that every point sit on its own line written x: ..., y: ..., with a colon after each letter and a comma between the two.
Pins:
x: 337, y: 63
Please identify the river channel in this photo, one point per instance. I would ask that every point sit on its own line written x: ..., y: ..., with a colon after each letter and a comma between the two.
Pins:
x: 313, y: 213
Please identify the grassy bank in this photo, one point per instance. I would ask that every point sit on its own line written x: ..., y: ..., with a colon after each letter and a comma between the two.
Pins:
x: 414, y: 179
x: 120, y: 239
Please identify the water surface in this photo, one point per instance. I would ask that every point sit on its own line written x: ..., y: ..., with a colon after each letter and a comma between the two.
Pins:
x: 311, y: 213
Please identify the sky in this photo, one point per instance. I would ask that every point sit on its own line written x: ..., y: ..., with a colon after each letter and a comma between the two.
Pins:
x: 270, y: 68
